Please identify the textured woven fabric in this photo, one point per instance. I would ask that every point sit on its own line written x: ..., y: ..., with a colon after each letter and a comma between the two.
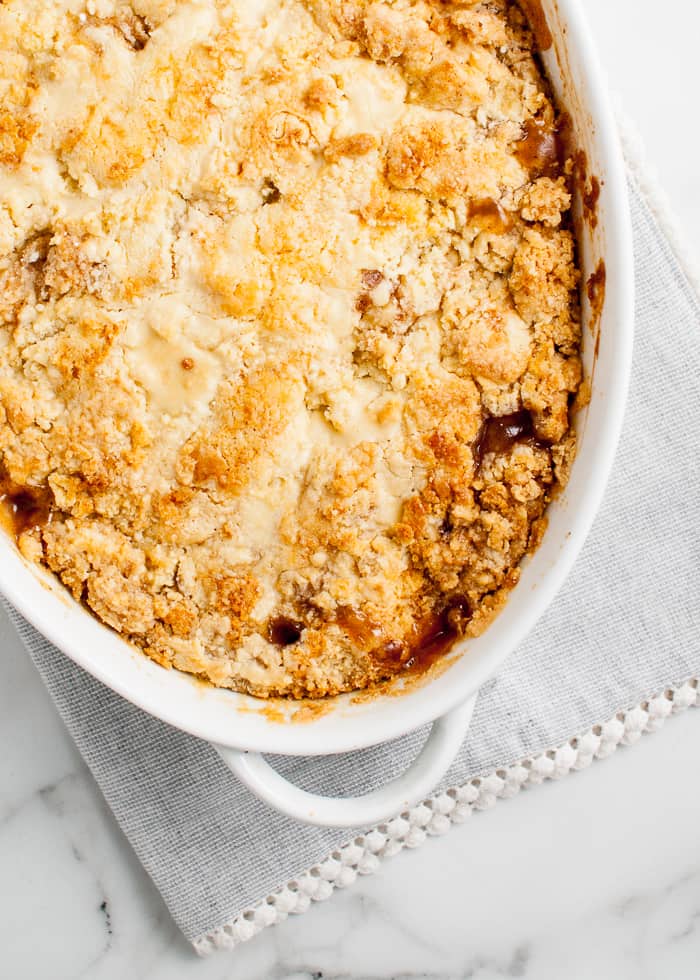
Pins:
x: 623, y: 628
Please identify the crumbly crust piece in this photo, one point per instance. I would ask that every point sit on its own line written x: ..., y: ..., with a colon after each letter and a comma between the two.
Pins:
x: 288, y: 323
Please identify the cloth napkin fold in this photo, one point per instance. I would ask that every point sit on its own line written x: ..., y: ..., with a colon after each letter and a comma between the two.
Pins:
x: 615, y: 654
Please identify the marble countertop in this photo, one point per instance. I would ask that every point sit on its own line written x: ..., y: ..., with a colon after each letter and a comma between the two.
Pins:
x: 597, y: 876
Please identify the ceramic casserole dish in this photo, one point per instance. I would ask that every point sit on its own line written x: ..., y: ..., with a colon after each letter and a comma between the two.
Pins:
x: 241, y: 727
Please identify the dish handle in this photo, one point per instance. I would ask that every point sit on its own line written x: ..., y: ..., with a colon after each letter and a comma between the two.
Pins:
x: 435, y: 758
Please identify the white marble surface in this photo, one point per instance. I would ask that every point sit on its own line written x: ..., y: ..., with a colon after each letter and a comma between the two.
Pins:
x: 593, y: 878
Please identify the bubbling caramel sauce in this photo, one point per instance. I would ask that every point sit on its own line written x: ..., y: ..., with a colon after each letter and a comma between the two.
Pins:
x: 364, y: 633
x: 538, y: 23
x: 438, y: 634
x: 595, y: 288
x: 540, y: 150
x: 499, y: 433
x: 489, y: 215
x: 284, y: 632
x: 591, y: 195
x: 432, y: 638
x: 23, y: 508
x: 430, y: 641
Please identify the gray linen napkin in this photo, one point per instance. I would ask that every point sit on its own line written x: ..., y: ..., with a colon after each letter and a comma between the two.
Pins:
x: 622, y: 629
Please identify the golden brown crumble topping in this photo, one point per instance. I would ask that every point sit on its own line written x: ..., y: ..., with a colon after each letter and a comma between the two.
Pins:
x: 289, y: 330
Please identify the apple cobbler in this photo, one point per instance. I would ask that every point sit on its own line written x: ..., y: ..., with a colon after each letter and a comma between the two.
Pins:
x: 289, y: 326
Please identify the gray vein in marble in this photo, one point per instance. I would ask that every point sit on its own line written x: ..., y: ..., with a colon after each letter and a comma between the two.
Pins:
x: 58, y: 798
x: 17, y: 807
x: 516, y: 966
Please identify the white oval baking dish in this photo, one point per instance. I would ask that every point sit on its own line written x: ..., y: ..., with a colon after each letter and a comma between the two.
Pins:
x: 241, y: 727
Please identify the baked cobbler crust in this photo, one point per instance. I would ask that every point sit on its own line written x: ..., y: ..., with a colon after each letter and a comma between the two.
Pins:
x: 289, y: 330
